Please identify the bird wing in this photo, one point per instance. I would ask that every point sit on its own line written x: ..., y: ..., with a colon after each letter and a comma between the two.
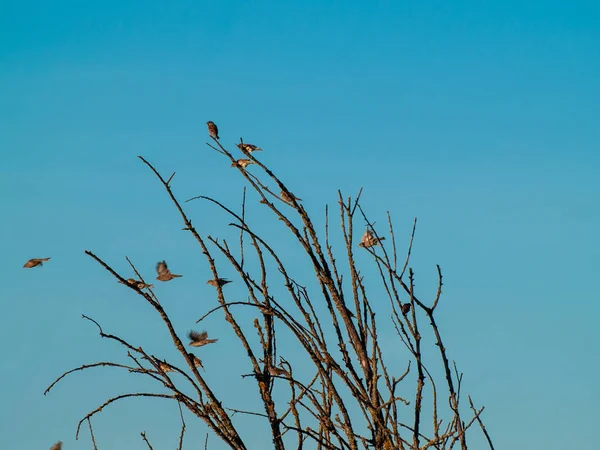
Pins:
x: 196, y: 336
x: 161, y: 268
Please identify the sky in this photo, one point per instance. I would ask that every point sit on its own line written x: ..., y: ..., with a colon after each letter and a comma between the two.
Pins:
x: 478, y: 118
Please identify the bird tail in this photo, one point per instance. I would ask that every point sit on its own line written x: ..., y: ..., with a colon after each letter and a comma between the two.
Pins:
x: 45, y: 259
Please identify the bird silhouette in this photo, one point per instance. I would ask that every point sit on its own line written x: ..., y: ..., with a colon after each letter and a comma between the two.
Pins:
x: 212, y: 129
x: 57, y: 446
x: 35, y: 262
x: 406, y: 308
x: 164, y: 274
x: 200, y: 339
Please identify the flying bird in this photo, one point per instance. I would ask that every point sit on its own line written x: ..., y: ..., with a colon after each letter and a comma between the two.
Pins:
x: 212, y: 129
x: 406, y: 308
x: 248, y: 148
x: 369, y: 240
x: 218, y: 282
x: 242, y: 163
x: 288, y: 198
x: 57, y: 446
x: 199, y: 339
x: 164, y: 274
x: 35, y: 262
x: 138, y: 284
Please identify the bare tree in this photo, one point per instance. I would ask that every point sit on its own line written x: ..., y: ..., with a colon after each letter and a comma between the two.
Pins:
x: 340, y: 392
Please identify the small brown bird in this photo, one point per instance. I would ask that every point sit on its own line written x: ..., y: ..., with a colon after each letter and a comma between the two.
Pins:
x: 199, y: 339
x: 138, y: 284
x: 57, y: 446
x: 406, y: 308
x: 249, y: 148
x: 197, y: 361
x: 242, y: 163
x: 369, y: 240
x: 212, y: 129
x: 218, y: 282
x: 164, y: 274
x: 164, y: 367
x: 277, y: 372
x: 35, y: 262
x: 288, y: 198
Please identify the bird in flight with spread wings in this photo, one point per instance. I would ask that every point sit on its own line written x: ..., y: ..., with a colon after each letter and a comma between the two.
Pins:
x: 164, y: 274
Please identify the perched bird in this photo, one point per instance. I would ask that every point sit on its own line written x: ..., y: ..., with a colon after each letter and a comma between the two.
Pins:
x: 218, y: 282
x: 199, y: 339
x: 212, y: 129
x: 277, y: 372
x: 369, y: 240
x: 57, y: 446
x: 35, y: 262
x: 164, y: 274
x: 406, y: 308
x: 242, y: 163
x: 197, y: 362
x: 288, y: 198
x: 164, y: 367
x: 248, y: 148
x: 138, y: 284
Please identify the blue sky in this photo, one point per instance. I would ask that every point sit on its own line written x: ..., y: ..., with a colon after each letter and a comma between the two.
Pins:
x: 479, y: 118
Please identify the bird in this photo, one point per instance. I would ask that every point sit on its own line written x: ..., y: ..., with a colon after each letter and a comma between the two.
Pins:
x: 138, y: 284
x: 249, y: 148
x: 406, y: 308
x: 200, y: 339
x: 57, y: 446
x: 197, y: 362
x: 164, y: 274
x: 288, y: 198
x: 212, y: 129
x: 369, y: 240
x: 277, y: 372
x: 242, y: 163
x: 164, y: 367
x: 218, y: 282
x: 35, y: 262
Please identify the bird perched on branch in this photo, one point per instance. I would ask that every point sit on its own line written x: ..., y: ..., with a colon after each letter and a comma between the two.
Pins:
x: 277, y: 372
x: 57, y: 446
x: 218, y: 282
x: 406, y: 308
x: 138, y: 284
x: 197, y: 362
x: 369, y: 240
x: 164, y: 274
x: 248, y: 148
x: 35, y: 262
x: 212, y: 129
x: 242, y: 163
x: 164, y: 367
x: 288, y: 198
x: 200, y: 339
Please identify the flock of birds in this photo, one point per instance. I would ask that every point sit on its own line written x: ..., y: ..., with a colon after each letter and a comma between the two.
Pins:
x: 199, y: 339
